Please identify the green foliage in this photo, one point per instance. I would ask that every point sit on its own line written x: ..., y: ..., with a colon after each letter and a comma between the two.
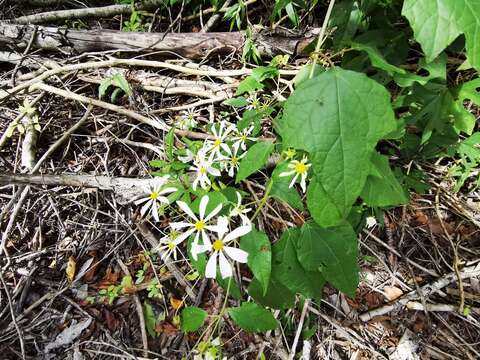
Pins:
x: 382, y: 187
x: 332, y: 251
x: 150, y: 319
x: 119, y: 82
x: 255, y: 159
x: 436, y: 24
x: 338, y: 117
x: 253, y: 318
x: 257, y: 245
x: 192, y: 318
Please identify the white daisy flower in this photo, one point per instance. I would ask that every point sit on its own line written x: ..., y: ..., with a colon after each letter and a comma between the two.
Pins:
x: 299, y: 168
x: 219, y: 249
x: 231, y: 160
x: 189, y: 156
x: 241, y: 211
x: 156, y: 196
x: 203, y: 166
x: 370, y: 222
x: 241, y: 137
x: 215, y: 146
x: 253, y: 102
x: 197, y: 225
x: 187, y: 119
x: 168, y: 245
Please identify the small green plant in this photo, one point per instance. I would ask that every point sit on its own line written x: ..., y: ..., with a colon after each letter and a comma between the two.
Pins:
x: 30, y: 119
x: 120, y: 85
x: 236, y: 14
x: 110, y: 294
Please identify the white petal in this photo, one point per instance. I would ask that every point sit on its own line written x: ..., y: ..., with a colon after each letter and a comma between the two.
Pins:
x: 239, y: 199
x: 186, y: 210
x: 225, y: 267
x: 236, y: 254
x: 238, y: 232
x: 213, y: 171
x: 145, y: 208
x: 142, y: 200
x: 214, y: 212
x: 180, y: 225
x: 293, y: 181
x: 155, y: 211
x: 211, y: 269
x: 221, y: 228
x: 163, y: 199
x: 185, y: 235
x: 203, y: 205
x: 303, y: 184
x: 195, y: 183
x: 205, y: 238
x: 286, y: 173
x: 167, y: 191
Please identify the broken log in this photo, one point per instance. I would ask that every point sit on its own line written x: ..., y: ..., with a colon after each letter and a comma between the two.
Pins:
x: 187, y: 45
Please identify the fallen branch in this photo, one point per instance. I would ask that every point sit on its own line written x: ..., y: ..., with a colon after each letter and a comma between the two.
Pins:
x: 188, y: 45
x: 157, y: 124
x: 426, y: 290
x: 126, y: 189
x: 187, y: 70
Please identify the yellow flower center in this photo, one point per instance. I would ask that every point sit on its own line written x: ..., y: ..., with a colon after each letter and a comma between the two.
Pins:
x: 234, y: 160
x: 243, y: 137
x: 154, y: 195
x: 300, y: 168
x: 200, y: 225
x: 217, y: 142
x: 290, y: 153
x: 171, y: 245
x: 203, y: 170
x: 218, y: 245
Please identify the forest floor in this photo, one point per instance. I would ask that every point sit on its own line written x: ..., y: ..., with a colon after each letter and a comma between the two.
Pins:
x: 69, y: 242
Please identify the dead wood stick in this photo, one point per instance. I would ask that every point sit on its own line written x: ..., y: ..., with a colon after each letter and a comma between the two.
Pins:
x: 188, y: 45
x: 157, y: 124
x: 150, y: 237
x: 139, y: 308
x: 129, y: 62
x: 127, y: 189
x: 427, y: 290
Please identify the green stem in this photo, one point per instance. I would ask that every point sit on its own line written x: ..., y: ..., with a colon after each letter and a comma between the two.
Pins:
x: 264, y: 199
x: 321, y: 37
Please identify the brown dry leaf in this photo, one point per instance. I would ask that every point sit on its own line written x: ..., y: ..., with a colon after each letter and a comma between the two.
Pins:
x: 420, y: 218
x: 436, y: 227
x: 176, y: 304
x: 166, y: 328
x: 373, y: 299
x: 392, y: 292
x: 71, y: 268
x: 110, y: 278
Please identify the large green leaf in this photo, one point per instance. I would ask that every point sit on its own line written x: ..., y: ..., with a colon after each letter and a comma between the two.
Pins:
x: 377, y: 59
x: 192, y: 318
x: 383, y: 188
x: 253, y: 318
x: 278, y: 296
x: 338, y: 117
x: 257, y: 244
x: 255, y: 158
x: 334, y: 251
x: 437, y: 23
x: 288, y: 270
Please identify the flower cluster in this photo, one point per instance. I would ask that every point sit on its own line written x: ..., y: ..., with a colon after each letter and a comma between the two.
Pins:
x: 222, y: 152
x: 215, y: 235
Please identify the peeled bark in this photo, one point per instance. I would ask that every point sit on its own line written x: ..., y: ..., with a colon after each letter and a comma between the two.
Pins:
x: 188, y: 45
